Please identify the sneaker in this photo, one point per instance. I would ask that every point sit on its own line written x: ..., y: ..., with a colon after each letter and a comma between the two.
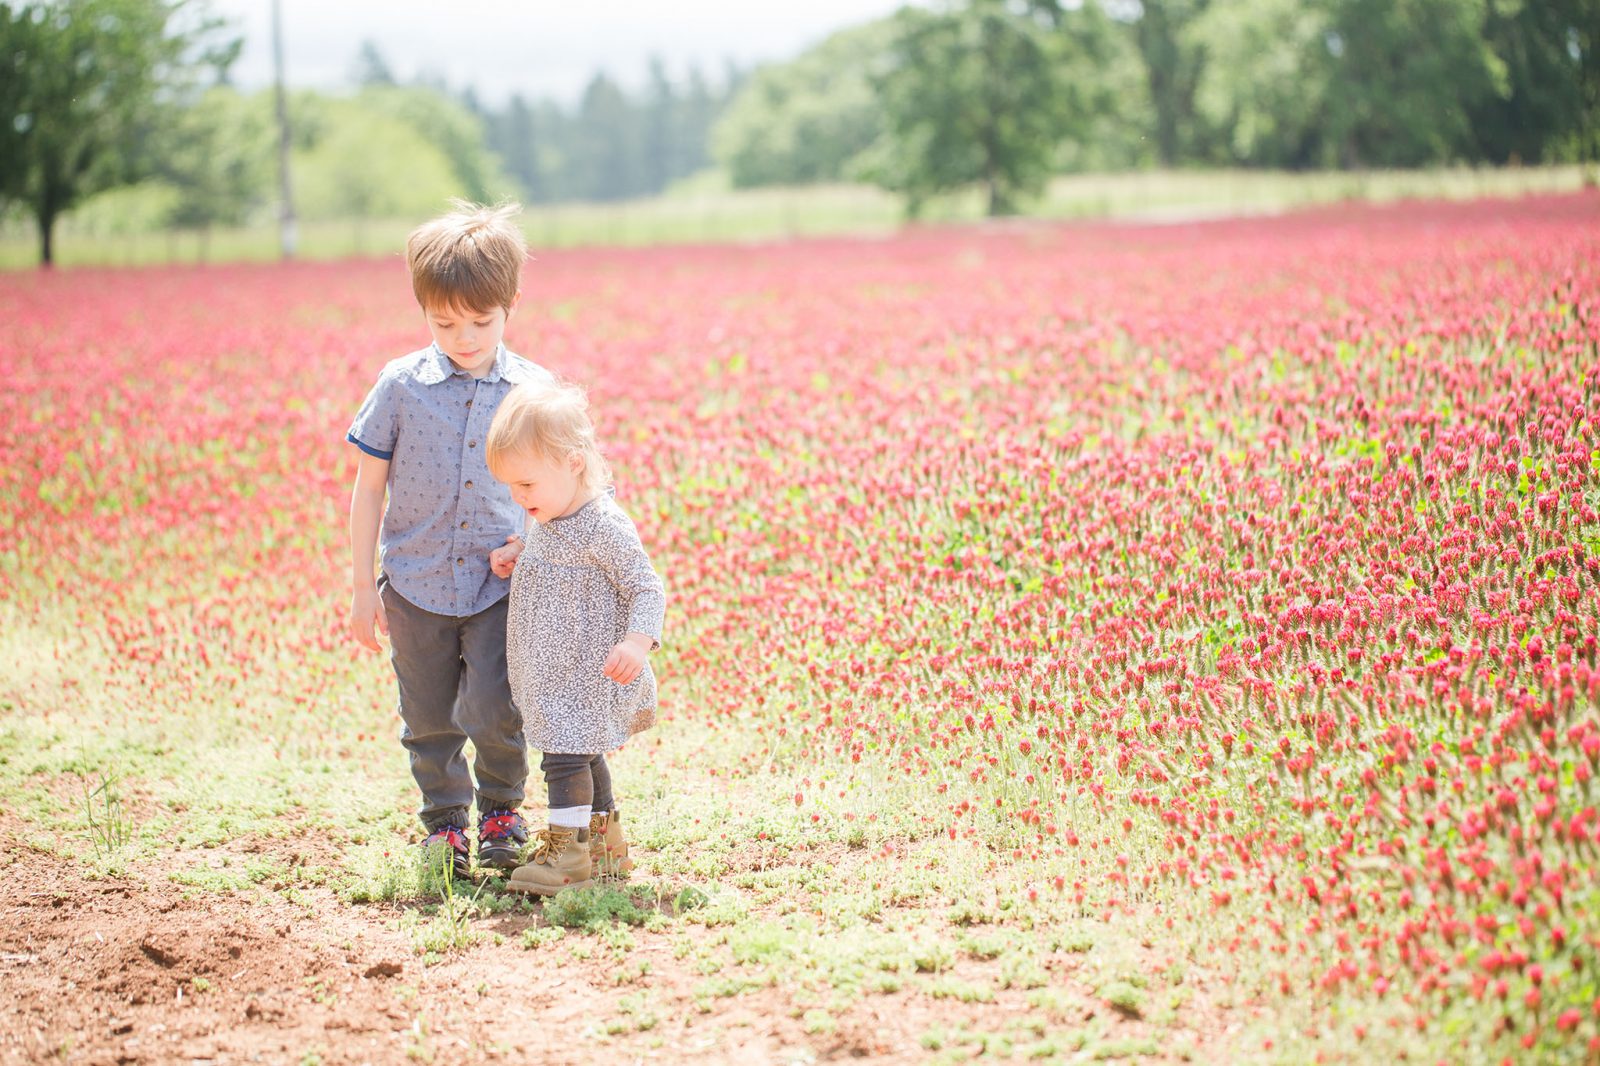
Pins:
x: 560, y: 860
x: 501, y: 835
x: 455, y: 838
x: 608, y: 851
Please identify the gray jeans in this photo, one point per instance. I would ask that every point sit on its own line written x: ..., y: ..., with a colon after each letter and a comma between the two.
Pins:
x: 453, y: 688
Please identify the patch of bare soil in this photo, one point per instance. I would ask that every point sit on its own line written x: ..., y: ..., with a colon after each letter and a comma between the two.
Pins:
x: 139, y: 970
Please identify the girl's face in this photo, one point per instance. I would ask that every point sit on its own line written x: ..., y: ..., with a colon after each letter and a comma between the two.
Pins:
x: 544, y: 487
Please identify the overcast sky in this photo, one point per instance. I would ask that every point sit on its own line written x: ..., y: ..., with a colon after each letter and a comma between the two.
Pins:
x: 535, y: 47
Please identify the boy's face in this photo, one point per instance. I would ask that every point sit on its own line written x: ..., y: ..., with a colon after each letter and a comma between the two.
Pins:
x: 544, y: 487
x: 469, y: 337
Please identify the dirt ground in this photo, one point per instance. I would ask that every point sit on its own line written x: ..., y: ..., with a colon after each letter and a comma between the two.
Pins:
x: 136, y: 970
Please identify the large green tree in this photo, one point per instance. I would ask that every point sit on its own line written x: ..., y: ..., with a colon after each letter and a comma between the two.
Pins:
x: 1550, y: 107
x: 1404, y: 79
x: 1173, y: 61
x: 89, y: 83
x: 1348, y: 83
x: 977, y: 95
x: 1265, y: 85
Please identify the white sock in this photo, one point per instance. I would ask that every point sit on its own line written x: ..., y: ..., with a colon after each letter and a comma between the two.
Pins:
x: 569, y: 817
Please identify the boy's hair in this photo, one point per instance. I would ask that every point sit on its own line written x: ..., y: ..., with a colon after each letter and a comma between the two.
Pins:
x: 548, y: 420
x: 468, y: 260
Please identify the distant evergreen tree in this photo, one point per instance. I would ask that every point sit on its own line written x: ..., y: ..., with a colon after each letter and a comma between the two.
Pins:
x: 370, y: 67
x: 658, y: 128
x: 613, y: 145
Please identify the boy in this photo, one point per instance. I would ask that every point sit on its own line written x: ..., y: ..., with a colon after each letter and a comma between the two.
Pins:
x: 449, y: 532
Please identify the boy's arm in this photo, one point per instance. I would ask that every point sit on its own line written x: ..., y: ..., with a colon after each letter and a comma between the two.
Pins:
x: 366, y: 513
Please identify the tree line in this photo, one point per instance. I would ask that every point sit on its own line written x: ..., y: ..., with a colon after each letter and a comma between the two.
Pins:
x: 100, y: 95
x: 1000, y: 94
x: 1004, y: 93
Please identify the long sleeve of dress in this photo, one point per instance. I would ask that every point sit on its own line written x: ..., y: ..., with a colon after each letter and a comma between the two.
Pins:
x: 620, y: 555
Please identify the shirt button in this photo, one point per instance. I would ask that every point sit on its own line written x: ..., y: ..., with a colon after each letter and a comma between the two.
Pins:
x: 463, y: 525
x: 460, y: 561
x: 472, y: 444
x: 469, y: 403
x: 469, y: 484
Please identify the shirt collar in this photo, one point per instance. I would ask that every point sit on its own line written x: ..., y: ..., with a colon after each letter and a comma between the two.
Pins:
x: 437, y: 367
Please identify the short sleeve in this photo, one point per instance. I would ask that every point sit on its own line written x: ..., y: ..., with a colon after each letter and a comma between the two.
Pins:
x: 377, y: 424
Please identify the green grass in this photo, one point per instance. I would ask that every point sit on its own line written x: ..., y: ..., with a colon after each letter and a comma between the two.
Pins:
x: 707, y: 212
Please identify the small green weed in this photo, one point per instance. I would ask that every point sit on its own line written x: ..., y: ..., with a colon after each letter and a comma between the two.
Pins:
x: 592, y: 910
x: 1124, y: 998
x: 965, y: 991
x: 110, y: 829
x: 534, y: 938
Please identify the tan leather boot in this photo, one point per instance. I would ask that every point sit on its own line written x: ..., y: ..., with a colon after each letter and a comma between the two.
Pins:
x: 559, y: 859
x: 608, y: 851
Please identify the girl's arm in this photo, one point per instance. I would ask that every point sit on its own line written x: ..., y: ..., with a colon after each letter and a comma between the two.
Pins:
x: 623, y: 560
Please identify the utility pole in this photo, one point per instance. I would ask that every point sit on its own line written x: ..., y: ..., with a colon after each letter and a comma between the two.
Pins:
x: 286, y: 227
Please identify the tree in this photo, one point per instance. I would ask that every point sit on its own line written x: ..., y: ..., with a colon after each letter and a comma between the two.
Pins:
x: 16, y: 45
x: 977, y: 95
x: 698, y: 109
x: 88, y: 81
x: 605, y: 150
x: 458, y: 132
x: 1265, y: 86
x: 1550, y: 110
x: 370, y: 67
x: 1173, y: 61
x: 1404, y: 78
x: 1349, y: 83
x: 659, y: 128
x: 808, y: 119
x: 360, y: 163
x: 218, y: 156
x: 518, y: 137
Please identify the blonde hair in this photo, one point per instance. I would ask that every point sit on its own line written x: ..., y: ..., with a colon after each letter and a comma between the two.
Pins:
x: 468, y: 260
x: 550, y: 421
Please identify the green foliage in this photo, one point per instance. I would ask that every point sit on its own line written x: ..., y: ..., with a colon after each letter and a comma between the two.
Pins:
x: 110, y: 829
x: 615, y: 144
x: 592, y: 909
x: 353, y: 161
x: 1399, y: 104
x: 89, y: 82
x: 1265, y: 84
x: 451, y: 129
x: 807, y: 120
x: 218, y: 158
x: 1363, y: 83
x: 1549, y: 109
x: 1172, y: 60
x: 977, y: 96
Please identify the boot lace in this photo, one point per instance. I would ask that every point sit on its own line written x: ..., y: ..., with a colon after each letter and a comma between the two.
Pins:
x: 548, y: 844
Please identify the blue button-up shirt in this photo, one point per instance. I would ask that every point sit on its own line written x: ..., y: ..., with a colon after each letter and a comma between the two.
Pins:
x: 446, y: 512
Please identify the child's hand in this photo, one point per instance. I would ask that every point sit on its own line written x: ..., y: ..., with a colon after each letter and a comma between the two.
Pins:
x: 366, y: 607
x: 503, y: 559
x: 626, y: 660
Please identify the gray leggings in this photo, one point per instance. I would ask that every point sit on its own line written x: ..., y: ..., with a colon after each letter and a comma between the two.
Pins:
x: 577, y: 781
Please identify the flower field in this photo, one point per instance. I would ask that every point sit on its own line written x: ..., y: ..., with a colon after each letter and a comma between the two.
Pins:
x: 1234, y: 583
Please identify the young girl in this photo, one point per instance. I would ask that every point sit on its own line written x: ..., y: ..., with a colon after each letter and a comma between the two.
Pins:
x: 586, y: 611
